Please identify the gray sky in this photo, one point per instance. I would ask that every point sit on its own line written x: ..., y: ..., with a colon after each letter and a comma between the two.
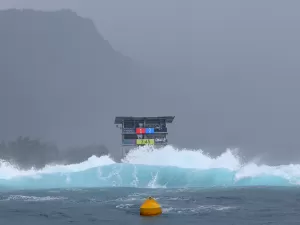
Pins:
x: 233, y: 65
x: 192, y: 30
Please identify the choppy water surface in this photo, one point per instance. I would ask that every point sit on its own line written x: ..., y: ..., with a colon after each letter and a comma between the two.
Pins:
x: 256, y: 205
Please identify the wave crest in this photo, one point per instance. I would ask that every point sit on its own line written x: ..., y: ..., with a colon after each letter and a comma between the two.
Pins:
x: 153, y: 168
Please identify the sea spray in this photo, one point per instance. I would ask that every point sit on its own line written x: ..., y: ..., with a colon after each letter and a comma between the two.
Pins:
x: 153, y: 168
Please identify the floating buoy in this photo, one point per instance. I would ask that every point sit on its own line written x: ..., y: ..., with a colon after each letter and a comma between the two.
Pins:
x: 150, y: 207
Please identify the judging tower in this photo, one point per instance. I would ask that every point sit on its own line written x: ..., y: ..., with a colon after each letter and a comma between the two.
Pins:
x: 140, y: 131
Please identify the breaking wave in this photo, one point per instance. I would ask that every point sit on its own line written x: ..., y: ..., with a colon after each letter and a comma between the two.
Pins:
x: 147, y: 168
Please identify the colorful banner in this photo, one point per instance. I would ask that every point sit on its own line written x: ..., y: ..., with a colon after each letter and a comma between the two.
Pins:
x: 144, y: 130
x: 145, y: 141
x: 149, y: 130
x: 140, y: 130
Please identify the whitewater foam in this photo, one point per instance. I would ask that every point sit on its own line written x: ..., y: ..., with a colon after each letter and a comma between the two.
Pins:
x: 153, y: 168
x: 198, y: 209
x: 32, y: 198
x: 8, y: 171
x: 169, y: 156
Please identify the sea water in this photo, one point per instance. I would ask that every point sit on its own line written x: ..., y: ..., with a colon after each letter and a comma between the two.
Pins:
x: 191, y: 187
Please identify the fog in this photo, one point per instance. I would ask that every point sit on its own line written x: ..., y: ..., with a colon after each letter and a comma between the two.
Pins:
x: 227, y: 70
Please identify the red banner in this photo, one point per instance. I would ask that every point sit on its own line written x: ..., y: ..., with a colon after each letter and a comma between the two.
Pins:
x: 140, y: 130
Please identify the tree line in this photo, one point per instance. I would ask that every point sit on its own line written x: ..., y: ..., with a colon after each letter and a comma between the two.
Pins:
x: 26, y: 153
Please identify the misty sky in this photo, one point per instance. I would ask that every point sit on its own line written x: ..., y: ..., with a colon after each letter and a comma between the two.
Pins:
x: 254, y: 45
x: 197, y: 32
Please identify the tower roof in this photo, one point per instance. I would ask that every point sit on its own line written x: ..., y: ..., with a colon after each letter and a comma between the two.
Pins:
x: 120, y: 119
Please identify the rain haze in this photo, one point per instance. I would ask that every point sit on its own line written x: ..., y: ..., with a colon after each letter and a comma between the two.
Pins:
x: 228, y: 71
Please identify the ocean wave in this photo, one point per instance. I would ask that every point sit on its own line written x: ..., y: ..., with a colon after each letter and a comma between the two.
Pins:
x: 148, y: 168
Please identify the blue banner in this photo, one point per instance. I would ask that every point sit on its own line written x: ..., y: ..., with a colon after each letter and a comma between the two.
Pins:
x: 149, y: 130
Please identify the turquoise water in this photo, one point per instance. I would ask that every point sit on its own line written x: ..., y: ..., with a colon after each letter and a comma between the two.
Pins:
x: 141, y: 176
x: 192, y: 188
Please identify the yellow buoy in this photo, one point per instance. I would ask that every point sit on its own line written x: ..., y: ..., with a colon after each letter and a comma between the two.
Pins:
x: 150, y: 207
